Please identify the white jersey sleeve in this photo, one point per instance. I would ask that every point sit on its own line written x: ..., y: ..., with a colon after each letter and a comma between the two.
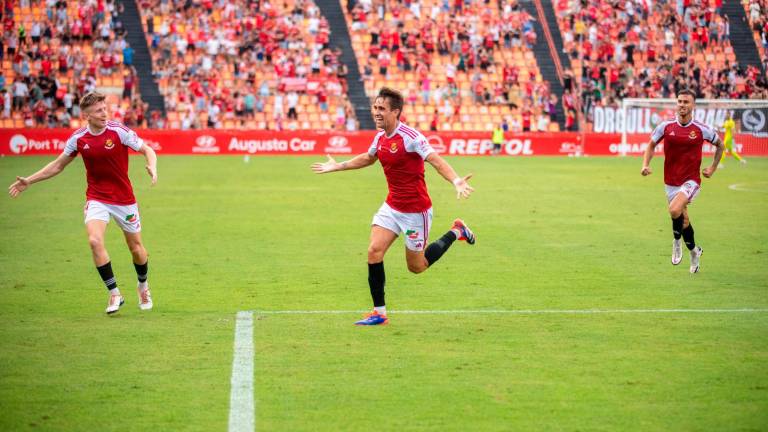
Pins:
x: 419, y: 144
x: 70, y: 148
x: 127, y: 136
x: 707, y: 132
x: 375, y: 144
x: 658, y: 133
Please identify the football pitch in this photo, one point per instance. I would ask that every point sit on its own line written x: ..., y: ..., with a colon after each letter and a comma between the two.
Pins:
x: 566, y: 314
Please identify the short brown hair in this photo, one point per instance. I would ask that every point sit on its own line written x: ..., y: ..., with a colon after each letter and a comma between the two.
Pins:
x: 394, y: 96
x: 90, y: 99
x: 686, y: 91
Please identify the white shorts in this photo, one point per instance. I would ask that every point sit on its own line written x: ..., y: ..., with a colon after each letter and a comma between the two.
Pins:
x: 415, y: 225
x: 127, y: 216
x: 689, y: 188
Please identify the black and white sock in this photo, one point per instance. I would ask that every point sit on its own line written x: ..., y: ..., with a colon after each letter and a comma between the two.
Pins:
x: 141, y: 274
x: 108, y: 277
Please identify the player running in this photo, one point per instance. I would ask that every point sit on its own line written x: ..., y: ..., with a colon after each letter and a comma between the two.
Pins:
x: 728, y: 126
x: 683, y: 141
x: 408, y: 209
x: 104, y: 147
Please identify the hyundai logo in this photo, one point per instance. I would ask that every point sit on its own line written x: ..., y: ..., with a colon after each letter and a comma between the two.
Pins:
x: 337, y: 141
x: 205, y: 141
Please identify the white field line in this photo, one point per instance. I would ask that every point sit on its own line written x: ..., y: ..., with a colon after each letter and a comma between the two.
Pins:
x: 241, y: 406
x: 241, y: 411
x: 514, y: 311
x: 742, y: 188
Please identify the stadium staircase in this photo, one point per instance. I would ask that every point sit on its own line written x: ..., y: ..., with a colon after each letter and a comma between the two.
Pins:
x: 142, y: 60
x: 548, y: 65
x: 741, y: 35
x: 333, y: 12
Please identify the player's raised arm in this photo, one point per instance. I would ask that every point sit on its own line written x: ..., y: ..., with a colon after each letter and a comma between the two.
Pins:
x: 151, y: 157
x: 463, y: 189
x: 718, y: 143
x: 360, y: 161
x: 22, y: 183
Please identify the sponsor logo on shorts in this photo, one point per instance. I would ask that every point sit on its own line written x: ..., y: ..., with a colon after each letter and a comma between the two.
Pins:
x: 412, y: 234
x: 131, y: 218
x: 109, y: 144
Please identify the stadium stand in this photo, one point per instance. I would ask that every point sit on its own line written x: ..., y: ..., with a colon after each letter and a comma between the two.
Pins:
x: 757, y: 14
x: 246, y: 64
x: 628, y: 49
x: 465, y: 65
x: 54, y: 52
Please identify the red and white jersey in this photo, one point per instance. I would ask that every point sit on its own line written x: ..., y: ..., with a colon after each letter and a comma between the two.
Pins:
x: 682, y: 149
x: 402, y: 156
x: 106, y: 161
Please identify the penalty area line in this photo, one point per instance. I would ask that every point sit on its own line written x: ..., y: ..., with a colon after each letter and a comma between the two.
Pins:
x: 241, y: 403
x: 513, y: 311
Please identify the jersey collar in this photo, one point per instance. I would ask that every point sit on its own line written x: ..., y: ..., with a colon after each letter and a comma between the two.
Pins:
x: 394, y: 131
x: 90, y: 131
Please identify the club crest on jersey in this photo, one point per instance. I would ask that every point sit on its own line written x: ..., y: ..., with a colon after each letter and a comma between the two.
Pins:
x: 109, y: 144
x: 692, y: 135
x: 393, y: 148
x: 131, y: 218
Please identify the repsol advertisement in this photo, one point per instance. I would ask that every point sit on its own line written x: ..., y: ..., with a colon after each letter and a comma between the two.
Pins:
x: 21, y: 142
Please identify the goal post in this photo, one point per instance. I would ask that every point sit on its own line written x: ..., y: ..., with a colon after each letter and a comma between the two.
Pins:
x: 639, y: 116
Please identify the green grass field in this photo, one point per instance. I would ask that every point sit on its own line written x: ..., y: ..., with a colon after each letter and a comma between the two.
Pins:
x: 226, y: 236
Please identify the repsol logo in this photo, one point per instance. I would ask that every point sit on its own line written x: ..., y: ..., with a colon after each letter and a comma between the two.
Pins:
x: 484, y: 146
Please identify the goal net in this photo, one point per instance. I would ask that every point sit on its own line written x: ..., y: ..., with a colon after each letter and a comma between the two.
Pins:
x: 750, y: 136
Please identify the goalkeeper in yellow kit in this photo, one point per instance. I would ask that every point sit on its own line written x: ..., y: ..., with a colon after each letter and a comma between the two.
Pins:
x: 728, y: 127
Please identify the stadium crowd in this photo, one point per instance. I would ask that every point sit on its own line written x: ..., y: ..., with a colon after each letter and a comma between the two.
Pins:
x: 247, y: 63
x: 635, y: 48
x: 53, y: 52
x: 459, y: 58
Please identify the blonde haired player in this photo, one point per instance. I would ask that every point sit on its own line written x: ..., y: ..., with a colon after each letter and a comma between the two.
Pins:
x: 104, y: 145
x: 728, y: 126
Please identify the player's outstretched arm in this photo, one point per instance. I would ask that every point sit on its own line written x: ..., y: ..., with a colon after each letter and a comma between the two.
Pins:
x: 151, y: 157
x: 22, y: 183
x: 360, y: 161
x: 463, y: 189
x: 718, y: 143
x: 646, y: 170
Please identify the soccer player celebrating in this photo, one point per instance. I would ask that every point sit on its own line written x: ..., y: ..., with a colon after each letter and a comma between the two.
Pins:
x: 408, y: 209
x: 104, y: 147
x: 683, y: 141
x: 728, y: 127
